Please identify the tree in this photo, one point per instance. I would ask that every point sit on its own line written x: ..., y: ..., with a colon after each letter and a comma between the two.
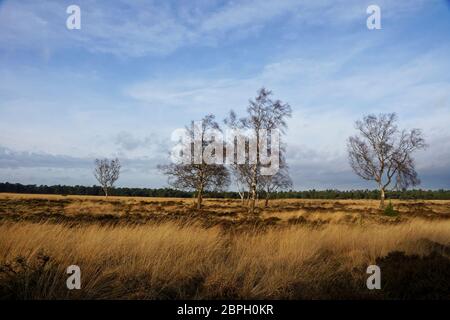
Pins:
x: 276, y: 182
x: 382, y: 153
x: 238, y: 162
x: 263, y: 114
x: 242, y: 179
x: 197, y: 173
x: 107, y: 172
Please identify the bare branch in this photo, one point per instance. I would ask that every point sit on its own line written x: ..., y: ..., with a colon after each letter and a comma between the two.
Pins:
x: 107, y: 172
x: 383, y: 154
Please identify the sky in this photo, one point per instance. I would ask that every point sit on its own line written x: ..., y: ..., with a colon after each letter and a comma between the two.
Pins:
x: 138, y: 70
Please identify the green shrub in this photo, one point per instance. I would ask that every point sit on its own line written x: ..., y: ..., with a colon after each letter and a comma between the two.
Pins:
x: 390, y: 211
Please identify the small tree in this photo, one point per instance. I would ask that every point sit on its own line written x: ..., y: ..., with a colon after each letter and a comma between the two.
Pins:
x: 242, y: 178
x: 273, y: 183
x: 107, y: 172
x: 382, y: 153
x: 198, y: 175
x: 241, y: 171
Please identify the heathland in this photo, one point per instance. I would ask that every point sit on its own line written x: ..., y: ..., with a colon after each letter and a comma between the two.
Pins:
x: 163, y: 248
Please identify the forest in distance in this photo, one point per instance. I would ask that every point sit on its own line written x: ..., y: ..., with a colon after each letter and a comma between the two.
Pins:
x: 413, y: 194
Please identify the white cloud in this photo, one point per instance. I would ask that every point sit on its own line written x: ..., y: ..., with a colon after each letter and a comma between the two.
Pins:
x: 327, y: 99
x: 140, y: 28
x: 329, y: 82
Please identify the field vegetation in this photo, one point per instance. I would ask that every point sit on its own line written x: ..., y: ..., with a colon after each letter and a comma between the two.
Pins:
x: 163, y: 248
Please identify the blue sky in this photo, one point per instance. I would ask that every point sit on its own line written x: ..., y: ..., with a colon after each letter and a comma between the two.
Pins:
x: 137, y: 70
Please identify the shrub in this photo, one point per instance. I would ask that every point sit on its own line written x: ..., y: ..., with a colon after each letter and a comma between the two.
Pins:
x: 390, y: 211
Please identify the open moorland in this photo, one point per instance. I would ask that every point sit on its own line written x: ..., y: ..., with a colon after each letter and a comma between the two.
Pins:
x: 163, y: 248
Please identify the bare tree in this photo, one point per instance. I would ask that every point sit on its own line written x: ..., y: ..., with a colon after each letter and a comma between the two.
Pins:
x: 242, y: 179
x: 198, y: 175
x: 382, y: 153
x: 263, y: 113
x: 107, y: 172
x: 241, y: 171
x: 276, y: 182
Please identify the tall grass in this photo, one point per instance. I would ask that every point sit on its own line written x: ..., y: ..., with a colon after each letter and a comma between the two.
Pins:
x: 170, y: 260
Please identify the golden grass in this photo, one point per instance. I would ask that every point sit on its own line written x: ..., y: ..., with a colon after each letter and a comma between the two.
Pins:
x: 227, y: 212
x: 7, y: 195
x: 171, y: 260
x: 162, y: 248
x: 275, y: 203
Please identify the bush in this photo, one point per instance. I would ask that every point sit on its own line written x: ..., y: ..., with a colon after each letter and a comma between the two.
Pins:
x: 390, y: 211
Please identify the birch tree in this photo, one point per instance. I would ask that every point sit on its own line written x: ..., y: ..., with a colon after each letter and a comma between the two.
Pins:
x: 381, y: 152
x: 196, y: 172
x: 263, y: 114
x: 107, y: 172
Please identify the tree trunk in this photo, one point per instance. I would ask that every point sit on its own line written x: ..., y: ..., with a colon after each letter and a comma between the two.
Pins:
x: 253, y: 188
x: 266, y: 204
x: 242, y: 195
x: 200, y: 198
x: 105, y: 190
x: 382, y: 198
x: 254, y: 184
x: 253, y: 198
x: 247, y: 200
x: 200, y: 187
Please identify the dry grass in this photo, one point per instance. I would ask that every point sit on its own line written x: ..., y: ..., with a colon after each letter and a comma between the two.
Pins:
x: 173, y: 261
x: 223, y: 212
x: 307, y: 249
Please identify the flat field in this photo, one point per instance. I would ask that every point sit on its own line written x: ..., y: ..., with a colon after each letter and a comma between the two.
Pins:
x: 162, y: 248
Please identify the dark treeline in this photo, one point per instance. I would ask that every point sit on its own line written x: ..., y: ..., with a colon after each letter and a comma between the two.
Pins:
x: 168, y: 192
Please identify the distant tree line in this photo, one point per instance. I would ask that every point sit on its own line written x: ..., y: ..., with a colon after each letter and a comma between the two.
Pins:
x: 92, y: 190
x: 168, y: 192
